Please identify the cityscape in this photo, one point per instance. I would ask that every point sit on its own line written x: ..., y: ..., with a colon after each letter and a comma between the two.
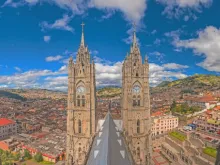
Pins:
x: 105, y: 99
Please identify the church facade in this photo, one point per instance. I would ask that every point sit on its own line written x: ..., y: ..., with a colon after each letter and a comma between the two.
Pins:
x: 81, y: 106
x: 84, y: 144
x: 136, y: 105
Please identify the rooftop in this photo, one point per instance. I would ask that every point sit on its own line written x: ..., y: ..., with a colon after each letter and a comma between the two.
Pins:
x: 4, y: 121
x: 109, y: 147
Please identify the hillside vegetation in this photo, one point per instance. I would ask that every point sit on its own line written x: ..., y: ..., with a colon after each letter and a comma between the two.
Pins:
x: 196, y: 80
x: 109, y: 92
x: 11, y: 95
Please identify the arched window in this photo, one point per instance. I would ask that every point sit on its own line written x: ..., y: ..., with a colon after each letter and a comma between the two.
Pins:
x: 78, y: 101
x: 138, y: 152
x: 138, y: 126
x: 139, y: 101
x: 83, y: 101
x: 79, y: 126
x: 136, y: 74
x: 134, y: 101
x: 80, y: 153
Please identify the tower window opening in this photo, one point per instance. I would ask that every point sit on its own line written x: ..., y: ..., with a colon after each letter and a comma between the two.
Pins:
x: 83, y: 101
x: 138, y: 152
x: 134, y: 101
x: 138, y: 126
x: 79, y: 126
x: 139, y: 101
x: 78, y: 101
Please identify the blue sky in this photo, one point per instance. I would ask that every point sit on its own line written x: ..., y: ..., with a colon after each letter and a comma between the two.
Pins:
x: 180, y: 38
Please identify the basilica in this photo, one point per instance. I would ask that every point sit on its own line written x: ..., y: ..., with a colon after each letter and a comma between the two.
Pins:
x: 109, y: 143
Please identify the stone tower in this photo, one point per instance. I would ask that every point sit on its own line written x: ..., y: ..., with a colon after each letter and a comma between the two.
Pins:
x: 81, y: 106
x: 136, y: 105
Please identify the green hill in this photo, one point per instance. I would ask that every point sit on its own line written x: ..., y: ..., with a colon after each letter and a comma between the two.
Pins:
x: 109, y: 92
x: 197, y: 81
x: 11, y: 95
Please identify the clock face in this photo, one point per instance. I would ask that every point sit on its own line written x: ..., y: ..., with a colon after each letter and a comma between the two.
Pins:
x: 136, y: 89
x: 81, y: 89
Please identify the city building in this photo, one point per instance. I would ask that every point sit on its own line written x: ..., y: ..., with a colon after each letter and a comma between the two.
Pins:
x: 204, y: 102
x: 136, y: 105
x: 7, y: 128
x: 81, y: 106
x: 163, y: 124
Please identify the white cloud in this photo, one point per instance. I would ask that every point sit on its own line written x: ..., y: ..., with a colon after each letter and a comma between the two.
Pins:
x: 157, y: 41
x: 206, y: 45
x: 174, y: 66
x: 109, y: 14
x: 94, y: 52
x: 177, y: 8
x: 154, y: 31
x: 53, y: 58
x: 18, y: 69
x: 58, y: 24
x: 132, y: 10
x: 158, y: 55
x: 47, y: 38
x: 130, y: 32
x: 12, y: 3
x: 160, y: 73
x: 107, y: 74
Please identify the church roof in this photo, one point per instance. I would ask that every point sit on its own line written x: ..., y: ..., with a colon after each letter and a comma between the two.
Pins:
x: 108, y: 146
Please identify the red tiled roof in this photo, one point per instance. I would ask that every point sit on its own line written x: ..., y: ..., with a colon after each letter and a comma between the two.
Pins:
x: 4, y: 121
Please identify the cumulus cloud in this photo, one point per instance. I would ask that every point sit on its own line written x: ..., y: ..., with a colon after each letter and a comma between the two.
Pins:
x: 158, y: 55
x: 13, y: 3
x: 160, y: 73
x: 18, y: 69
x: 130, y: 32
x: 132, y: 10
x: 53, y: 58
x: 108, y: 73
x: 47, y: 38
x: 207, y: 45
x: 174, y: 66
x: 177, y: 8
x: 61, y: 24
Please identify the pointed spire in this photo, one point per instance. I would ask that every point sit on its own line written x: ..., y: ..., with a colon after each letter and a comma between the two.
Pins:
x: 82, y: 38
x: 71, y: 59
x: 134, y: 35
x: 146, y: 59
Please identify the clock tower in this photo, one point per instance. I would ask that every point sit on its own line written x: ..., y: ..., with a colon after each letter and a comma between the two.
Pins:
x: 81, y: 106
x: 136, y: 105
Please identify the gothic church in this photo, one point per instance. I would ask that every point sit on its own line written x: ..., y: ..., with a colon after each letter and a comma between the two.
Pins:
x: 81, y: 116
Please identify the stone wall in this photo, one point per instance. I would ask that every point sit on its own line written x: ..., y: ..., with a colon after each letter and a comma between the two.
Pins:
x: 173, y: 144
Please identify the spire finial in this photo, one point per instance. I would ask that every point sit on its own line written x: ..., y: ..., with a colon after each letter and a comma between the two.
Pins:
x: 134, y: 37
x: 146, y: 59
x: 82, y: 38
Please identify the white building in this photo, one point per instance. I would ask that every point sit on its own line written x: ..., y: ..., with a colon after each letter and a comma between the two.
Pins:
x: 7, y: 128
x: 163, y: 124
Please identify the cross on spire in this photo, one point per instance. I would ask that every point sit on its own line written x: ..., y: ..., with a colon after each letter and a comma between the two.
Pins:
x: 134, y: 26
x: 82, y: 26
x: 134, y: 36
x: 82, y: 38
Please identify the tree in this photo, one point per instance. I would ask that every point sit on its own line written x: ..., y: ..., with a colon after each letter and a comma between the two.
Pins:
x: 173, y: 106
x: 17, y: 156
x: 38, y: 157
x: 27, y: 154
